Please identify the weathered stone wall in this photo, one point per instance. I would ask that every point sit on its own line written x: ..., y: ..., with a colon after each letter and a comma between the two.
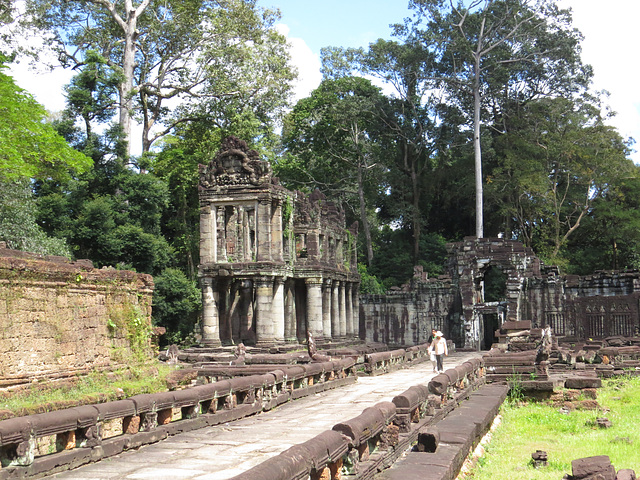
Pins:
x: 577, y: 307
x: 58, y: 318
x: 403, y: 318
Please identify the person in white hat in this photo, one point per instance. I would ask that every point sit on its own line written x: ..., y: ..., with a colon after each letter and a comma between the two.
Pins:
x: 439, y: 348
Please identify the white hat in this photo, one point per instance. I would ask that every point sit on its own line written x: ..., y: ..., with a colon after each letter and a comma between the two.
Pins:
x: 439, y: 334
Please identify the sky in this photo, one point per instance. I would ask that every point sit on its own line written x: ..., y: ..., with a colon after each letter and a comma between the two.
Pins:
x: 611, y: 41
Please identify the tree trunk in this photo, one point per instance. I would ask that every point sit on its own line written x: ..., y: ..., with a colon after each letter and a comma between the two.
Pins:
x: 363, y: 216
x: 477, y: 149
x: 416, y: 214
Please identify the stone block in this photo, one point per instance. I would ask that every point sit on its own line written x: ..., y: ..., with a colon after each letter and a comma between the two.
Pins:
x: 626, y: 474
x: 582, y: 382
x: 428, y: 439
x: 583, y: 468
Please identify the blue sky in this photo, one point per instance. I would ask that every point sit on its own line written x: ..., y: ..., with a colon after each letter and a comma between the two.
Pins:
x: 347, y: 23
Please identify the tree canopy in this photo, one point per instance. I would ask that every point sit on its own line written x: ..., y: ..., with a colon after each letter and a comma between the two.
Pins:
x: 208, y: 58
x: 31, y: 147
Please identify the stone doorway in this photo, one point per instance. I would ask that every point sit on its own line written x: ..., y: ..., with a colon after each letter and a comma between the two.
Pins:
x: 490, y: 323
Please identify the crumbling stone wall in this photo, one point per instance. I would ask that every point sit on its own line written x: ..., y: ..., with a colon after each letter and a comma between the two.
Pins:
x: 406, y: 317
x: 575, y: 307
x: 59, y: 318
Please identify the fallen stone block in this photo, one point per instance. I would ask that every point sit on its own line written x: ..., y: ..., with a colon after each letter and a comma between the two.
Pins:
x: 583, y: 468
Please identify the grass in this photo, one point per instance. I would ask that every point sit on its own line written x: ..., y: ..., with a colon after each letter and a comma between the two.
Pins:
x: 533, y: 426
x: 96, y: 387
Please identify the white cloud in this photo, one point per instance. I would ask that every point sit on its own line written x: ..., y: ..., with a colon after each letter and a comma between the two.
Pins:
x: 611, y: 37
x: 307, y: 63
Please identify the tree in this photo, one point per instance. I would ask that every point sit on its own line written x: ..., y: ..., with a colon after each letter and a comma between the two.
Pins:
x: 192, y: 51
x: 411, y: 121
x: 335, y: 136
x: 558, y: 158
x: 31, y: 148
x: 91, y: 95
x: 610, y: 236
x: 492, y: 51
x: 18, y: 225
x: 176, y: 304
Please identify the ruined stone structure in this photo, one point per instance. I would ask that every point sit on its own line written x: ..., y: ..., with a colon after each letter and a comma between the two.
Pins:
x: 274, y: 264
x: 61, y: 318
x: 493, y: 280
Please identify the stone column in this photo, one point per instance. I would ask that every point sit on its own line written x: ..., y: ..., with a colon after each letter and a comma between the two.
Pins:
x: 210, y: 314
x: 207, y: 234
x: 343, y: 310
x: 326, y: 309
x: 314, y: 307
x: 290, y: 312
x: 221, y: 237
x: 264, y: 322
x: 263, y: 231
x: 277, y: 253
x: 335, y: 311
x: 348, y: 304
x: 247, y: 334
x: 277, y: 310
x: 355, y: 299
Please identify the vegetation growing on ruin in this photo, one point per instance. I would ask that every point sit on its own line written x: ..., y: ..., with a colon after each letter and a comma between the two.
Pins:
x: 527, y: 427
x: 96, y: 387
x: 129, y: 321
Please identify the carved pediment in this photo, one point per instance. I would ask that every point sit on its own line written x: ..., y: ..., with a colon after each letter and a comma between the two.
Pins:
x: 235, y: 164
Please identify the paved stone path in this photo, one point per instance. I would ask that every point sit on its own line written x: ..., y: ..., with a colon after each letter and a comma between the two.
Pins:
x: 223, y: 451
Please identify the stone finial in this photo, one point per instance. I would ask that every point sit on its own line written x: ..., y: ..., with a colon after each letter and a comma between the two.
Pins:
x: 172, y: 354
x: 235, y: 164
x: 240, y: 353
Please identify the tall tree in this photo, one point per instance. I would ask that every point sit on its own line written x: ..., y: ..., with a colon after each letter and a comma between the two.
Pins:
x: 193, y: 51
x: 411, y: 122
x: 490, y: 51
x: 335, y: 136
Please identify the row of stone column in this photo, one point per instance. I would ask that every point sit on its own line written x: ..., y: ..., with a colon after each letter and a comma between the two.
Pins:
x: 241, y: 233
x: 331, y: 308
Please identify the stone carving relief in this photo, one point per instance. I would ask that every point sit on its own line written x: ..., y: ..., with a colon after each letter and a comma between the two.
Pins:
x: 235, y: 164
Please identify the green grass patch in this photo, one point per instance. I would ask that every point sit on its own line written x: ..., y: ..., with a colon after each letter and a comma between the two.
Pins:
x: 96, y: 387
x: 533, y: 426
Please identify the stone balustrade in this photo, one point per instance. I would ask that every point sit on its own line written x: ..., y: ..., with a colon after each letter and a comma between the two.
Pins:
x: 53, y: 441
x: 371, y: 442
x: 378, y: 363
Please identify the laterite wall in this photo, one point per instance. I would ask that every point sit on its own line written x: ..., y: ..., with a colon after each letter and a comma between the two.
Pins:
x: 59, y: 318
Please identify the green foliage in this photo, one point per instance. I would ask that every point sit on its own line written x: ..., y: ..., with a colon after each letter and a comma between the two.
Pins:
x: 393, y: 263
x: 18, y: 226
x: 369, y: 284
x: 31, y: 148
x: 129, y: 320
x: 176, y: 304
x: 526, y: 428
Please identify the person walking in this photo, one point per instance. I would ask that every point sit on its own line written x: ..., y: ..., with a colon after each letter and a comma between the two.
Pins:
x: 432, y: 355
x: 439, y: 348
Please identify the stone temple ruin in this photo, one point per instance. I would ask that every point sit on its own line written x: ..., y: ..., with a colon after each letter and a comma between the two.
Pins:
x: 492, y: 281
x: 274, y: 264
x: 278, y: 265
